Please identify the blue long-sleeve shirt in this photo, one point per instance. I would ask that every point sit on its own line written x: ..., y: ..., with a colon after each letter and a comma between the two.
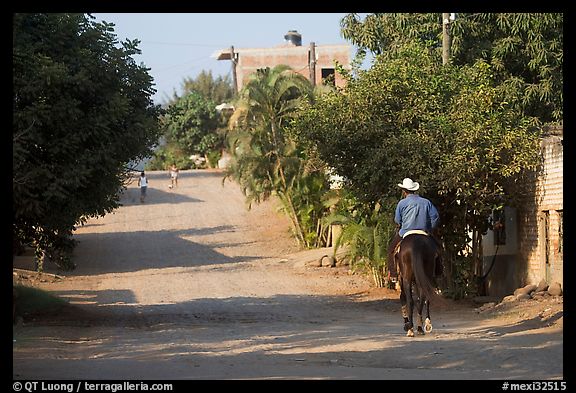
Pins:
x: 415, y: 212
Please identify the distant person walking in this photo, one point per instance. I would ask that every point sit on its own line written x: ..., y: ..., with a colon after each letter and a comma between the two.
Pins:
x: 174, y: 175
x: 143, y: 183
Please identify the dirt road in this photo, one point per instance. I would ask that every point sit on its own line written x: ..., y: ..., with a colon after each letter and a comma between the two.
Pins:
x: 192, y: 285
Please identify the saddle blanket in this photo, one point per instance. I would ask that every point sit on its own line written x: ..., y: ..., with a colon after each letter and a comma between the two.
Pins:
x: 415, y: 232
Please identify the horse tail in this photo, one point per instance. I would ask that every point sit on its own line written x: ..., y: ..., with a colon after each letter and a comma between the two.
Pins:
x: 423, y: 257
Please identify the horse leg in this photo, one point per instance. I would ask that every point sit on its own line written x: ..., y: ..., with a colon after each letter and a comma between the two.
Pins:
x: 428, y: 321
x: 408, y: 309
x: 420, y: 306
x: 403, y: 304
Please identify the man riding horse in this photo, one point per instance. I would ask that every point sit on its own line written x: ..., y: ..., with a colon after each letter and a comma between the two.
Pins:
x: 414, y: 214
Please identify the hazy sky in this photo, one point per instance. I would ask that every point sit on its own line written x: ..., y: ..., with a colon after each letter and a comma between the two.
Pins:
x: 179, y: 45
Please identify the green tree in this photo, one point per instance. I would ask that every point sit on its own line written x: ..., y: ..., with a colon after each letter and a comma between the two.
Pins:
x: 191, y: 123
x: 385, y: 33
x: 217, y: 89
x: 265, y: 159
x: 449, y: 127
x: 525, y: 50
x: 366, y: 231
x: 82, y: 110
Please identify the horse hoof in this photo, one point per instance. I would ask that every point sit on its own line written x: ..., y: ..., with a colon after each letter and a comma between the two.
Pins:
x: 410, y: 333
x: 407, y: 326
x: 420, y: 331
x: 427, y: 325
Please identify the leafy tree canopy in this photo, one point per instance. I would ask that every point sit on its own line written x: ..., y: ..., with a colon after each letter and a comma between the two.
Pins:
x: 448, y: 127
x: 217, y: 89
x: 82, y: 110
x: 265, y: 159
x: 525, y: 50
x: 191, y: 123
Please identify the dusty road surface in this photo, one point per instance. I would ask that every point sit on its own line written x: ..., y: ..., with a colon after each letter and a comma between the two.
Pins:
x: 192, y: 285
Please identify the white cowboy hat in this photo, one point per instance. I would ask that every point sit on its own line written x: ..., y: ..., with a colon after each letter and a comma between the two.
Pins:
x: 408, y: 184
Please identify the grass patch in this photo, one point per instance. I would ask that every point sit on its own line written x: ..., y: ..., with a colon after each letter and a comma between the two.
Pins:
x: 36, y: 301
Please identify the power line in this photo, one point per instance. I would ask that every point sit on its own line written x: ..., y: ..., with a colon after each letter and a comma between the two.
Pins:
x: 182, y: 44
x: 192, y: 62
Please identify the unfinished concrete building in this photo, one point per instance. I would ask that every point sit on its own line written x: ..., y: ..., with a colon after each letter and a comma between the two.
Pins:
x: 315, y: 62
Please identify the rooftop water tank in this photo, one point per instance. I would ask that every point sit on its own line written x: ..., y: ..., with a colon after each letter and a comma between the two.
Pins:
x: 293, y: 37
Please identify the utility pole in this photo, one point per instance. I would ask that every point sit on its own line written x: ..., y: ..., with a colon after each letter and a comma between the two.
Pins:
x: 446, y: 39
x: 234, y: 63
x: 312, y: 63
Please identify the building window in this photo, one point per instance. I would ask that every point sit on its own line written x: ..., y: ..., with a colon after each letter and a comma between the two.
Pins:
x: 329, y: 76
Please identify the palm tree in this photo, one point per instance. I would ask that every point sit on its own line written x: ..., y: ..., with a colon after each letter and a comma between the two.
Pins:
x: 265, y: 159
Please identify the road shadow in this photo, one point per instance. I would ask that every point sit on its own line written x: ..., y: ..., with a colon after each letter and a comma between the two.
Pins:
x: 202, y: 173
x: 102, y: 308
x: 154, y: 196
x: 189, y: 174
x: 83, y: 299
x: 121, y: 252
x: 302, y: 330
x: 159, y: 191
x: 533, y: 323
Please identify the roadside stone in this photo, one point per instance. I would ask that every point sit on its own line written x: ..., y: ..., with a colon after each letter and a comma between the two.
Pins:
x: 327, y: 261
x: 523, y: 296
x: 485, y: 306
x: 555, y: 289
x: 540, y: 295
x: 542, y: 286
x: 527, y: 289
x: 509, y: 298
x: 341, y: 261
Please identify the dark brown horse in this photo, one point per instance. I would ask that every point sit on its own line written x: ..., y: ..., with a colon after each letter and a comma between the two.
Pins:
x: 416, y: 260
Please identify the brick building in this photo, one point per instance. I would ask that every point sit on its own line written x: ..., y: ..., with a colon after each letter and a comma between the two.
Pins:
x: 315, y: 62
x: 541, y: 218
x: 532, y: 248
